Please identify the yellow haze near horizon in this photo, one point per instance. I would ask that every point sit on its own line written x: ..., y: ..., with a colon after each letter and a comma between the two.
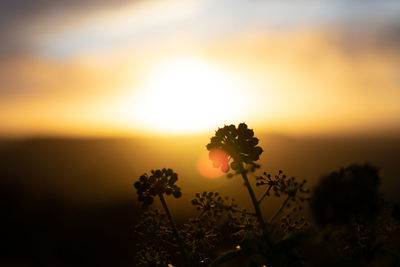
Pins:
x: 293, y: 83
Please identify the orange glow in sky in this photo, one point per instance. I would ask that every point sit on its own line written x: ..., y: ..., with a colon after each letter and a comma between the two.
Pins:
x: 179, y: 67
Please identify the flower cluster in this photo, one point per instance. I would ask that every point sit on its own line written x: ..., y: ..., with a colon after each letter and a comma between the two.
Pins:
x: 199, y: 236
x: 245, y: 226
x: 158, y: 183
x: 281, y: 185
x: 291, y: 224
x: 153, y: 227
x: 212, y: 204
x: 239, y: 144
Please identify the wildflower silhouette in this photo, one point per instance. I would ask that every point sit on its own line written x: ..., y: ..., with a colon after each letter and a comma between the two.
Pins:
x: 240, y: 147
x: 212, y: 204
x: 153, y: 229
x: 240, y: 154
x: 161, y: 182
x: 158, y: 183
x: 200, y: 235
x: 356, y: 224
x: 295, y: 191
x: 242, y: 151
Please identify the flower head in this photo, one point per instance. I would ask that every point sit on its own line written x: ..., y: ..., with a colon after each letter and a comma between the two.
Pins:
x: 159, y: 182
x: 239, y: 145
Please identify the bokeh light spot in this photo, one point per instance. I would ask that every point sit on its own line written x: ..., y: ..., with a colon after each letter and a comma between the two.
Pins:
x: 205, y: 165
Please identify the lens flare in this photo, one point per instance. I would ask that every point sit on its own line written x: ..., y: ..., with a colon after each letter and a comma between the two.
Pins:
x: 206, y: 167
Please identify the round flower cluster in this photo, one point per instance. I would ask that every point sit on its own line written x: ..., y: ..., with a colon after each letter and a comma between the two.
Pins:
x: 239, y: 144
x: 158, y: 183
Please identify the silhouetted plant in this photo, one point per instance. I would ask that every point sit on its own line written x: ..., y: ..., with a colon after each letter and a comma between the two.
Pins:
x: 294, y: 192
x: 242, y: 152
x: 245, y: 225
x: 158, y: 183
x: 212, y: 204
x: 346, y: 195
x: 290, y: 223
x: 153, y: 229
x: 200, y: 235
x: 161, y: 182
x: 240, y: 146
x: 352, y: 215
x: 355, y: 223
x: 236, y: 149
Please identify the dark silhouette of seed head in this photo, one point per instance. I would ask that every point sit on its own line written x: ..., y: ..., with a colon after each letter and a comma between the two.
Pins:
x: 158, y: 182
x: 239, y: 144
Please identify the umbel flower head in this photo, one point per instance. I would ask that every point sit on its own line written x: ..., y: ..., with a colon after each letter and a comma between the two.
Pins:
x: 158, y: 183
x: 238, y: 145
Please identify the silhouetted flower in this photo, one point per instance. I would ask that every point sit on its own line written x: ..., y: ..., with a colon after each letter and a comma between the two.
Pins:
x: 239, y: 144
x: 158, y: 183
x: 199, y: 235
x: 295, y: 191
x: 213, y: 204
x: 290, y: 223
x: 351, y: 193
x: 246, y: 226
x: 153, y: 229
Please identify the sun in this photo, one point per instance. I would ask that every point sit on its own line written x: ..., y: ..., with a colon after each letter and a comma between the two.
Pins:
x: 189, y: 96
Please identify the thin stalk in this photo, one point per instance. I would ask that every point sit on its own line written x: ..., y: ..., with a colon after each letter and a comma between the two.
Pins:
x: 175, y: 230
x: 265, y: 194
x: 280, y: 209
x: 254, y: 200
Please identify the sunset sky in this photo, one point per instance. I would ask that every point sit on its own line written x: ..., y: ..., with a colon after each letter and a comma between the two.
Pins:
x: 161, y: 67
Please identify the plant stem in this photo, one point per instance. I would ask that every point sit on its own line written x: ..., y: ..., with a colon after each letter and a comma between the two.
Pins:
x: 175, y: 230
x: 265, y: 194
x: 280, y: 209
x: 254, y: 200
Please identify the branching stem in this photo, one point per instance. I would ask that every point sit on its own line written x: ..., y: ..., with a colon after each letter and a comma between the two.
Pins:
x: 280, y: 209
x: 254, y: 200
x: 265, y: 194
x: 175, y: 230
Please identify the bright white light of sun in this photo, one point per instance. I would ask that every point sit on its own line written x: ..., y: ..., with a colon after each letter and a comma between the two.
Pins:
x: 188, y: 96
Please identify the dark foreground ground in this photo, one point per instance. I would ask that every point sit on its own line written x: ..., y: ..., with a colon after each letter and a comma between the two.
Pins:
x: 71, y: 202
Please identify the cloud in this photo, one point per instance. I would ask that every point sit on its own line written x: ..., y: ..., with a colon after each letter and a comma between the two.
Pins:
x: 47, y: 27
x: 19, y: 17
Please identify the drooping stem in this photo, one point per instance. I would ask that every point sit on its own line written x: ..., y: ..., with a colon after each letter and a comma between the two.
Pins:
x: 280, y: 209
x: 175, y: 230
x: 254, y: 200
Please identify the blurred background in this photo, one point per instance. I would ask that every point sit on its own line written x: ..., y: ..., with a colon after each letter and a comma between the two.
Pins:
x: 94, y: 93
